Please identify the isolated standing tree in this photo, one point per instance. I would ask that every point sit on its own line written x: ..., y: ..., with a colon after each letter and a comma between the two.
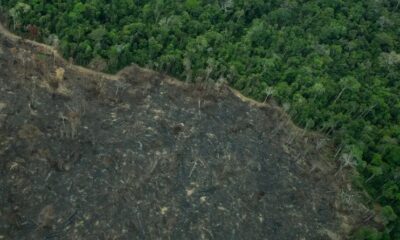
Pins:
x: 17, y: 11
x: 33, y: 31
x: 269, y: 91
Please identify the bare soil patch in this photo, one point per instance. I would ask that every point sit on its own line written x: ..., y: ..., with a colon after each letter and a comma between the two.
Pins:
x: 84, y: 155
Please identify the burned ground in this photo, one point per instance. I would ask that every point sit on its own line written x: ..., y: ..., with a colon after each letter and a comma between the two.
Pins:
x: 140, y: 156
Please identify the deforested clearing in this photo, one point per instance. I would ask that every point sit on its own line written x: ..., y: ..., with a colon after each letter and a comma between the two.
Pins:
x: 139, y: 155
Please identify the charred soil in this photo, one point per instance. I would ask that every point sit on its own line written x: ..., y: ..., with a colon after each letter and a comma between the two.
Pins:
x: 139, y: 155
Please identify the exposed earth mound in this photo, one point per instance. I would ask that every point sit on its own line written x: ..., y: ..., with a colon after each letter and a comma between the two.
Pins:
x: 84, y: 155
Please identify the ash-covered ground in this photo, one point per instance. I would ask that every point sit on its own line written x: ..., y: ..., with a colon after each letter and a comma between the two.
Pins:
x: 139, y: 156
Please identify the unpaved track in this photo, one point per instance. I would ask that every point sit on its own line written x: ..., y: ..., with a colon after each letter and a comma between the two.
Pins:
x: 51, y: 50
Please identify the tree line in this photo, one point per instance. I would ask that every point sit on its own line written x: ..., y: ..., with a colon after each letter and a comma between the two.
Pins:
x: 333, y: 64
